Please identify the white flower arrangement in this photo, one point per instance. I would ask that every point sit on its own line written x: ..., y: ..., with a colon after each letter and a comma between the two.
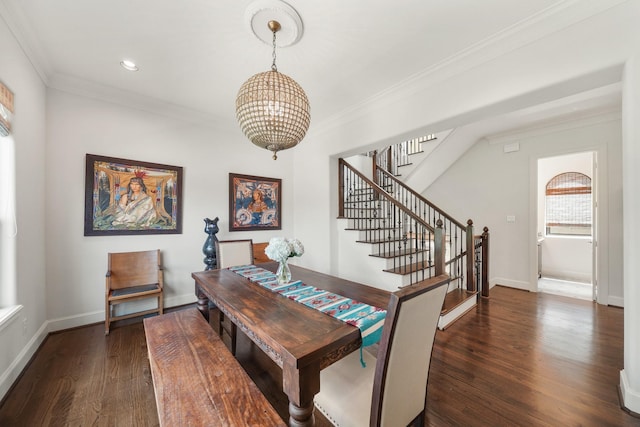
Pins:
x: 279, y: 248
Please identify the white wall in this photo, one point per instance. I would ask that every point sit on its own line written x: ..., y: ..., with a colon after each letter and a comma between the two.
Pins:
x: 20, y: 337
x: 564, y: 257
x: 76, y: 264
x: 567, y: 258
x: 490, y: 185
x: 481, y: 84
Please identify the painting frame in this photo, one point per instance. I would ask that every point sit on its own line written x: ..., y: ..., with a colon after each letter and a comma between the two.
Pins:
x: 255, y: 203
x: 115, y: 202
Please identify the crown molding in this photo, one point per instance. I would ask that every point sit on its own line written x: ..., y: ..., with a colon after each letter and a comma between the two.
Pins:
x: 547, y: 22
x: 555, y: 125
x: 88, y: 89
x: 540, y: 25
x: 25, y: 36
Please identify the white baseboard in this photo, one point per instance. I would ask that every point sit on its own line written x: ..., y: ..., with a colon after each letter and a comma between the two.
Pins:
x: 456, y: 313
x: 20, y: 362
x: 630, y: 397
x: 525, y: 286
x: 98, y: 316
x: 572, y: 276
x: 615, y: 301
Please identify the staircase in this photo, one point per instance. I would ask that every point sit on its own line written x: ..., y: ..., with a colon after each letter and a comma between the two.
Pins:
x: 406, y: 237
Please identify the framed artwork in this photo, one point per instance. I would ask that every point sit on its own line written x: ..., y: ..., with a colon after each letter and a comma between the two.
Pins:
x: 254, y: 203
x: 131, y: 197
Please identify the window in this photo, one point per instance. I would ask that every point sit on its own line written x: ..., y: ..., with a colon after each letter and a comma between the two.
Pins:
x: 568, y: 205
x: 7, y: 224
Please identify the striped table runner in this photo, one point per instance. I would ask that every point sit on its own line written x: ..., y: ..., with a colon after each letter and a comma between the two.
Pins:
x: 367, y: 318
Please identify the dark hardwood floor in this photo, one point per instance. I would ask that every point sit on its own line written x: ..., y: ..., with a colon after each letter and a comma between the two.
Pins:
x: 519, y: 359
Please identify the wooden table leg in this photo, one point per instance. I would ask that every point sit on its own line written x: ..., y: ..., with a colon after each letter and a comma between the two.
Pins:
x: 203, y: 302
x: 301, y: 417
x: 301, y: 385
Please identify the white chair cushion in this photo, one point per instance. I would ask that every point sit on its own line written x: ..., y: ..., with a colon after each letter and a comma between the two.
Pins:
x: 346, y: 389
x: 232, y: 253
x: 409, y: 360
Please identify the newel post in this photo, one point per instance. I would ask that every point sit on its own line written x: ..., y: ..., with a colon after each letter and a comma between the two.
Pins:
x: 439, y: 248
x: 471, y: 258
x: 485, y: 262
x: 341, y: 188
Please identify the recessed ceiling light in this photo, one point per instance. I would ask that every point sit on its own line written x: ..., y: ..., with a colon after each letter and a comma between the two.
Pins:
x: 129, y: 65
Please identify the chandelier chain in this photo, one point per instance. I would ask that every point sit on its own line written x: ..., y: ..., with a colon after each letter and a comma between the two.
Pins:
x: 272, y: 109
x: 273, y: 65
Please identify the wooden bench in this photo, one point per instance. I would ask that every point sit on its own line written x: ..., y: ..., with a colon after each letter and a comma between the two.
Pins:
x: 197, y: 381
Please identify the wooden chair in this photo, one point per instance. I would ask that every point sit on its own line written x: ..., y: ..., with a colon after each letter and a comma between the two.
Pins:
x: 258, y: 253
x: 132, y: 276
x: 392, y: 390
x: 231, y: 253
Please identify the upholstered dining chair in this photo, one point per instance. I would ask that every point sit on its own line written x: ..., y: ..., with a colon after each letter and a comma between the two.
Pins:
x: 229, y: 254
x: 132, y: 276
x: 391, y: 390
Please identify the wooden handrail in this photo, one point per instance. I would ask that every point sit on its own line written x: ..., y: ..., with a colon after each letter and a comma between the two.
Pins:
x: 379, y: 191
x: 417, y: 195
x: 468, y: 260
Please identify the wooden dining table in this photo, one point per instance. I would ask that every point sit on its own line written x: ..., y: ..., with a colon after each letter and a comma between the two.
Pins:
x: 299, y: 339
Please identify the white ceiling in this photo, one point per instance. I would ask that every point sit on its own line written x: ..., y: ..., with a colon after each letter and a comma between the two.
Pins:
x: 195, y: 54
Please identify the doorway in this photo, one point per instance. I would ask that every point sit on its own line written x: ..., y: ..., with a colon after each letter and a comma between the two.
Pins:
x: 566, y: 225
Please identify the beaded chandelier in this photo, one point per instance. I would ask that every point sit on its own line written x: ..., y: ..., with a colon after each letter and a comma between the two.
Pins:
x: 272, y: 109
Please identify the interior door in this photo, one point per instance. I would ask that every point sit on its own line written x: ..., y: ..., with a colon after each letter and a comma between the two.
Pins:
x: 594, y: 226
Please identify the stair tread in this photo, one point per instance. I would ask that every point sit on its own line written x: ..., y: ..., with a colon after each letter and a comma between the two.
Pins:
x: 396, y: 253
x: 456, y: 297
x: 377, y: 241
x: 370, y: 229
x: 409, y: 269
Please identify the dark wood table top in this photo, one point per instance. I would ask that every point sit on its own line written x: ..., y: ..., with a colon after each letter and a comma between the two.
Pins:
x: 289, y: 332
x: 300, y: 339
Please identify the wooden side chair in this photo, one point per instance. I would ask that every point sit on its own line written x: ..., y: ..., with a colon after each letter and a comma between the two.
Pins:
x: 390, y: 391
x: 258, y: 253
x: 231, y: 253
x: 132, y: 276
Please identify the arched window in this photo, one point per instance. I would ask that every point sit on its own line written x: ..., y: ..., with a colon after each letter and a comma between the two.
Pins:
x: 568, y: 204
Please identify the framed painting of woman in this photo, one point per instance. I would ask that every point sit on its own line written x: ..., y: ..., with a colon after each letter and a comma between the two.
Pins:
x: 131, y: 197
x: 254, y: 203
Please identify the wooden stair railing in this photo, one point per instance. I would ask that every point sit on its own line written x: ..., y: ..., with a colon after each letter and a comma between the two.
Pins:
x: 466, y: 261
x: 414, y: 247
x: 398, y: 155
x: 461, y: 263
x: 482, y: 261
x: 385, y: 172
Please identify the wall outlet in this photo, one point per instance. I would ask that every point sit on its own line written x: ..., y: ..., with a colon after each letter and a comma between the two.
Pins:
x: 511, y: 218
